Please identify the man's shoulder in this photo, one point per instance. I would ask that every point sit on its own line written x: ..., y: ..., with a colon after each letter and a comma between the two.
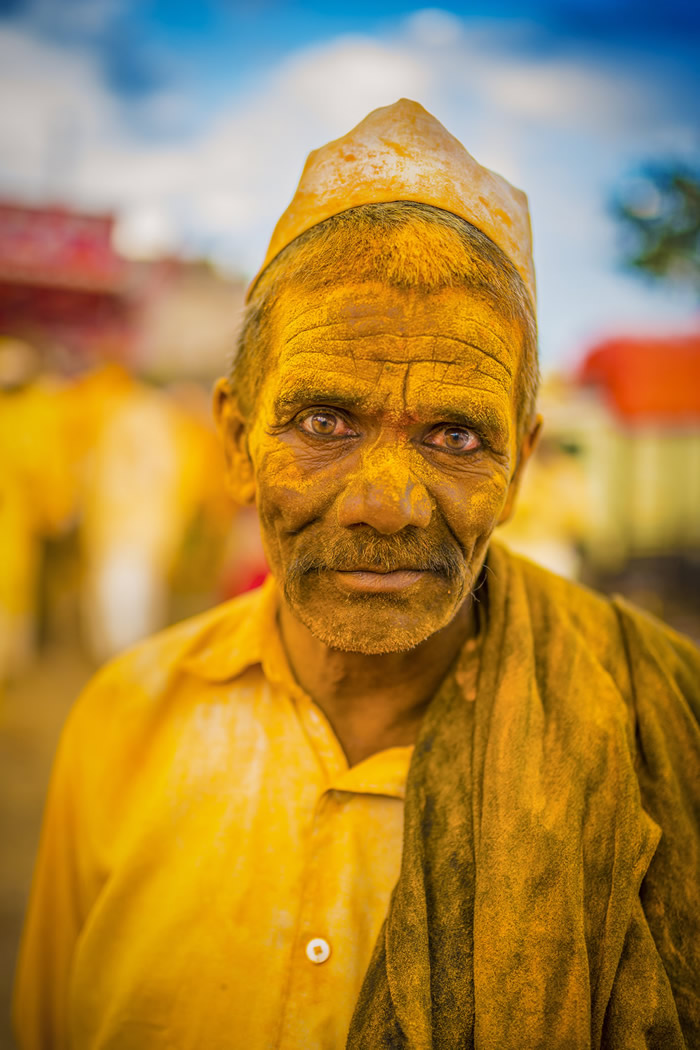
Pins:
x: 149, y: 703
x: 212, y: 646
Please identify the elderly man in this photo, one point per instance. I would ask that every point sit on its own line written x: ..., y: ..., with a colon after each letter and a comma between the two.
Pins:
x: 226, y: 860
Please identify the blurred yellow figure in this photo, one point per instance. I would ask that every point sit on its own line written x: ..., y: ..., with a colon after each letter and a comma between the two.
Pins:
x: 37, y: 493
x: 90, y: 400
x: 143, y: 484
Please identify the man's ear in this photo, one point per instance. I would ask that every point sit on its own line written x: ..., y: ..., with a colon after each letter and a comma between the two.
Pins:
x: 526, y: 449
x: 233, y: 434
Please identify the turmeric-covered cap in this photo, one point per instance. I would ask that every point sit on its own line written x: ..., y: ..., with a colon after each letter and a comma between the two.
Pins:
x: 402, y: 153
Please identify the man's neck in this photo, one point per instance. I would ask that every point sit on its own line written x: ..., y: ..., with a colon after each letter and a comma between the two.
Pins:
x: 373, y: 701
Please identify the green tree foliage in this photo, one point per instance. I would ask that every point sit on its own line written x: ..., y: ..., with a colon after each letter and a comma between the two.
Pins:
x: 659, y: 210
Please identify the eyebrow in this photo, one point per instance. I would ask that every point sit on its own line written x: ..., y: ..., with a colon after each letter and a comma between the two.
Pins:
x: 302, y: 395
x: 468, y: 416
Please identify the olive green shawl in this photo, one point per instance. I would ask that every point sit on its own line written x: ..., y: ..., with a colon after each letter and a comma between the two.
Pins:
x: 549, y: 894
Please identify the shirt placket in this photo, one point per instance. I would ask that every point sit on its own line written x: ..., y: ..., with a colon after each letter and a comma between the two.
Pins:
x: 317, y: 970
x: 314, y: 958
x: 313, y: 963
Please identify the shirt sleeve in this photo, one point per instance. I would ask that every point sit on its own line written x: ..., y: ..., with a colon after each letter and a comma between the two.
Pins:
x: 64, y: 885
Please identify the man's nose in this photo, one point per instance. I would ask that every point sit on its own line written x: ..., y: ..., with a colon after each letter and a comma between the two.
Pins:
x: 384, y: 494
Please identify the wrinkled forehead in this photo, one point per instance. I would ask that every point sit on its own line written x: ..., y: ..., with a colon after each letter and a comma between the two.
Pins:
x: 344, y: 326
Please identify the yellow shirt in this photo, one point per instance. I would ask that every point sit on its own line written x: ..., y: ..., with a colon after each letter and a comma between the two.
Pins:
x: 205, y: 846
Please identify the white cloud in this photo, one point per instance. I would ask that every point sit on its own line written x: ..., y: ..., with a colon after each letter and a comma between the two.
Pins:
x: 51, y: 103
x: 559, y: 91
x: 340, y: 82
x: 226, y: 188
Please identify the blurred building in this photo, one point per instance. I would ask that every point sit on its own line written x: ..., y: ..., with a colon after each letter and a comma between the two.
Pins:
x: 62, y: 285
x: 188, y: 322
x: 648, y: 465
x: 65, y: 289
x: 612, y: 495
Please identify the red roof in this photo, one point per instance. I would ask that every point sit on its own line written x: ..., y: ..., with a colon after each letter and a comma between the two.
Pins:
x: 653, y: 379
x: 56, y: 247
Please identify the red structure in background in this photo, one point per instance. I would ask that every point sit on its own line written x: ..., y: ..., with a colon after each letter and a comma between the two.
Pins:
x: 650, y: 380
x: 62, y: 283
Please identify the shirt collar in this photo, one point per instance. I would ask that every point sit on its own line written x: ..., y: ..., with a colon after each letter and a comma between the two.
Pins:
x: 246, y: 633
x: 240, y: 637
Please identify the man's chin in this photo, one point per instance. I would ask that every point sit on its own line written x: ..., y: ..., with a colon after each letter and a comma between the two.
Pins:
x: 349, y: 637
x: 374, y: 623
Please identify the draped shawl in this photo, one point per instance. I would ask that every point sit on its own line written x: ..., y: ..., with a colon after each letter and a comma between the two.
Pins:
x: 549, y: 894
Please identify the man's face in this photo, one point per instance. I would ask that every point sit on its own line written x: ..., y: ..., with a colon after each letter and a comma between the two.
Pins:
x: 383, y: 451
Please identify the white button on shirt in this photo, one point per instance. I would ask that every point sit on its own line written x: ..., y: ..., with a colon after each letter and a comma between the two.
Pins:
x: 318, y: 950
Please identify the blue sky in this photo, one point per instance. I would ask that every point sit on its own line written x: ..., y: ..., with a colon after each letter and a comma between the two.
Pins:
x: 192, y: 120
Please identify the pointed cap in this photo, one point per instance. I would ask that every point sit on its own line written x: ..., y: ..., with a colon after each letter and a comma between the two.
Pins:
x: 402, y: 153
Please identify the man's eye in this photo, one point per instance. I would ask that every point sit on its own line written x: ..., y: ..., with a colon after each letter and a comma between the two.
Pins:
x: 454, y: 439
x: 325, y: 424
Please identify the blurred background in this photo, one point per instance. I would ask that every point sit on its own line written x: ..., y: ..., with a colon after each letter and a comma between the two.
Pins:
x: 147, y: 149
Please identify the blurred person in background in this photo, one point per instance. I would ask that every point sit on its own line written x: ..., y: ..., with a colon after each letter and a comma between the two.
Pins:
x: 227, y: 860
x: 148, y: 466
x: 37, y: 492
x: 143, y: 486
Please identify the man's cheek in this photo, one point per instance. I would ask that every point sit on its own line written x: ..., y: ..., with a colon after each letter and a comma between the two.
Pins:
x: 288, y: 495
x: 472, y: 511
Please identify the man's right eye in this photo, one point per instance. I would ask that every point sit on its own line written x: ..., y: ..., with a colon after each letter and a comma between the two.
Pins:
x: 325, y: 424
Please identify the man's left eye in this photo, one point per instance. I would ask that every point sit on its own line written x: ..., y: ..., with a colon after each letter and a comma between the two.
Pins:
x: 324, y: 423
x: 454, y: 439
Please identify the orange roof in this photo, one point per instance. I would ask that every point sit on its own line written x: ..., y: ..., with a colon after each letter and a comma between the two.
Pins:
x: 648, y: 379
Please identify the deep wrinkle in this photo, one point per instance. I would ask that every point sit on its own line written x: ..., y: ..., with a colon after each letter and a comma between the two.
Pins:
x: 389, y: 490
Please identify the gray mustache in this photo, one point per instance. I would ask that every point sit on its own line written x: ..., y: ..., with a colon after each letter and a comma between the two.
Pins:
x: 381, y: 553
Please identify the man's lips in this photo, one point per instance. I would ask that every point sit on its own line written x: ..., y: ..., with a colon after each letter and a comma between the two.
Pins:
x: 362, y: 579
